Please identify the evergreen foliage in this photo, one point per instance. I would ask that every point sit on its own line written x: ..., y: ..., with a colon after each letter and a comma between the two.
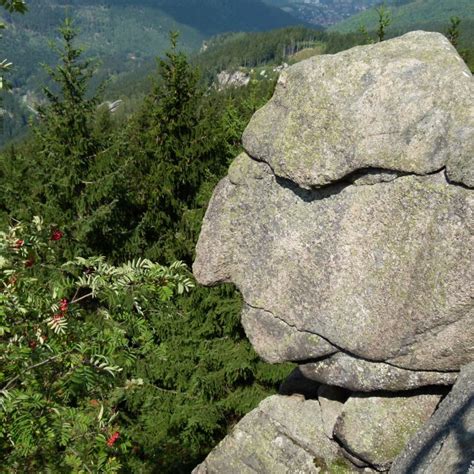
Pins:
x: 13, y: 6
x: 384, y: 20
x: 128, y: 192
x: 65, y: 142
x: 71, y: 335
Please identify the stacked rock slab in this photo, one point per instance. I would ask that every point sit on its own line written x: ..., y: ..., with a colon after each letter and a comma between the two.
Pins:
x: 284, y: 434
x: 347, y: 225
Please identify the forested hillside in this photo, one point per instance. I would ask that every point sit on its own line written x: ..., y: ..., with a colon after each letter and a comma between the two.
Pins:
x: 411, y: 14
x: 249, y: 50
x: 123, y: 35
x: 323, y: 12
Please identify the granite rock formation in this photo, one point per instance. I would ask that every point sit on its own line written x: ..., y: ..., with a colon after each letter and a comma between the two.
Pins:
x: 347, y: 225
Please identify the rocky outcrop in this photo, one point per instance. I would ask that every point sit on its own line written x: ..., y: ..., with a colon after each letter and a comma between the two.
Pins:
x: 232, y: 79
x: 347, y: 225
x: 378, y: 269
x: 284, y: 434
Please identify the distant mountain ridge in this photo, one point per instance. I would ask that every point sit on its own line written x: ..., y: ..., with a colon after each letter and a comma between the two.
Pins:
x: 217, y: 16
x: 410, y: 14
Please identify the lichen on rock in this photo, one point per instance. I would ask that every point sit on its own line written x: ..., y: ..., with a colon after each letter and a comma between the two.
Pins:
x: 348, y: 228
x: 405, y: 104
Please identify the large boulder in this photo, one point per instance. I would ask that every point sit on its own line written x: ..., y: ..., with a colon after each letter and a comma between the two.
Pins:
x: 342, y: 226
x: 381, y: 272
x: 377, y: 428
x: 404, y: 105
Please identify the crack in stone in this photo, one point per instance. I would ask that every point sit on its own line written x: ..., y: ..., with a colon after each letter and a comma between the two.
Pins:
x: 324, y: 191
x: 455, y: 183
x: 322, y: 419
x: 342, y: 349
x: 345, y: 448
x: 336, y: 187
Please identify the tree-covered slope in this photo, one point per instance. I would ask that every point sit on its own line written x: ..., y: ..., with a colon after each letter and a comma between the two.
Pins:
x: 123, y: 34
x: 251, y: 50
x: 411, y: 14
x: 323, y: 12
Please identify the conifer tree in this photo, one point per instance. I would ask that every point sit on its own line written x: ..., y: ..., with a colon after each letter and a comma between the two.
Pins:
x: 172, y: 143
x: 14, y: 5
x: 384, y: 21
x: 71, y: 176
x: 453, y: 31
x: 64, y: 137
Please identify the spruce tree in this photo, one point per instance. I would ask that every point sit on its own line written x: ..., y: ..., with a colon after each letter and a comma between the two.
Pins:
x: 453, y: 31
x: 64, y: 136
x: 73, y: 176
x: 172, y: 151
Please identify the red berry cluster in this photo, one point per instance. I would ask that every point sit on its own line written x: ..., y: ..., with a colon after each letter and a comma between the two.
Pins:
x: 63, y: 307
x: 56, y: 235
x: 111, y: 441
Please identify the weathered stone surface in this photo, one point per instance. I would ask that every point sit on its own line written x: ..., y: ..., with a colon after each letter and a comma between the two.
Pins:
x: 380, y: 271
x: 363, y: 376
x: 331, y: 400
x: 348, y: 229
x: 406, y: 104
x: 278, y: 341
x: 282, y: 435
x: 376, y: 429
x: 445, y: 444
